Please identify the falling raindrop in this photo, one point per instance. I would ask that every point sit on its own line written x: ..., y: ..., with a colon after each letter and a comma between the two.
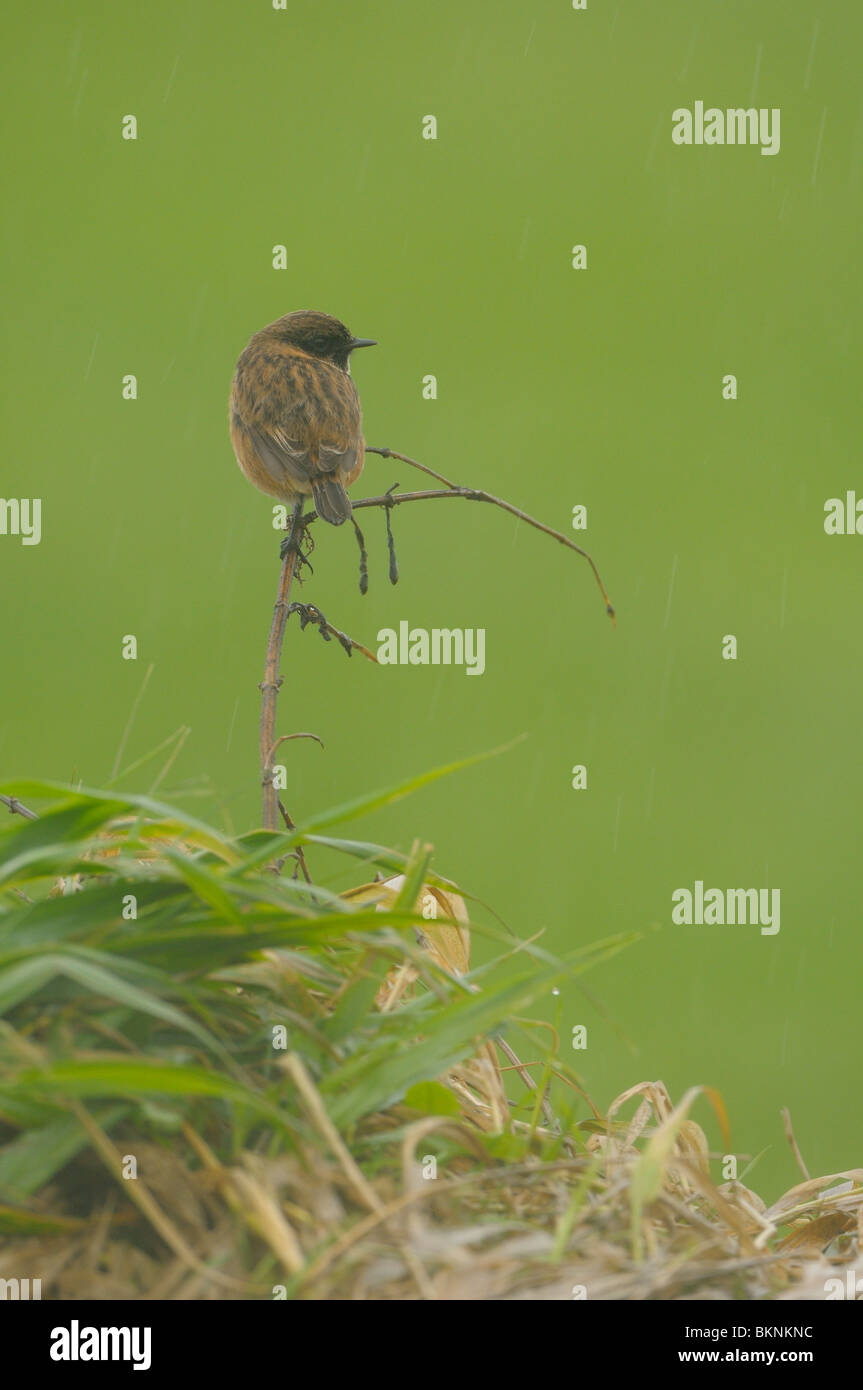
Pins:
x: 811, y: 55
x: 818, y: 146
x: 92, y: 355
x: 670, y: 591
x: 171, y: 78
x: 758, y: 54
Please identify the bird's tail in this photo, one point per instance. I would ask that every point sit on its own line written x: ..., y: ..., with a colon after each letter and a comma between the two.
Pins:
x: 331, y: 501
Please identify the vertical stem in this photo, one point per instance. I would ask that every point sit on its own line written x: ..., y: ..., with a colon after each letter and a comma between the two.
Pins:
x: 271, y: 682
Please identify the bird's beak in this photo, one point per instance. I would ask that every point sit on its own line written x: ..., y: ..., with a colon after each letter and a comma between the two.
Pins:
x: 363, y: 342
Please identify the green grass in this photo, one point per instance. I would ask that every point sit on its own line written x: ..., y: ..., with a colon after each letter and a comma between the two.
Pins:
x: 214, y: 1083
x: 156, y: 974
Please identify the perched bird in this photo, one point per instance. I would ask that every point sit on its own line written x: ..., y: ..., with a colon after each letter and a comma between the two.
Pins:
x: 296, y: 423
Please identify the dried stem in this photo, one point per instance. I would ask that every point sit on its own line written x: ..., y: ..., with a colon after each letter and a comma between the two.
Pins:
x: 414, y: 463
x: 17, y: 808
x: 472, y: 494
x: 789, y: 1135
x: 272, y: 680
x: 283, y: 608
x: 310, y: 614
x: 289, y: 824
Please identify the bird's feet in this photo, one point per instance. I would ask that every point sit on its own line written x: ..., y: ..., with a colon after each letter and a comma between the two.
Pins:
x: 299, y: 542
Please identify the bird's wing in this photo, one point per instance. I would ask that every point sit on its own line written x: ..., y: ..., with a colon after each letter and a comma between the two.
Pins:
x: 287, y: 458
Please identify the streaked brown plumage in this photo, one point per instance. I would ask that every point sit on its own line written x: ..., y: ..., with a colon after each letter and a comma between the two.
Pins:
x: 295, y: 418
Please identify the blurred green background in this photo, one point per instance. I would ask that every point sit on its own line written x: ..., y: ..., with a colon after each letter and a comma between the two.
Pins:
x: 555, y: 387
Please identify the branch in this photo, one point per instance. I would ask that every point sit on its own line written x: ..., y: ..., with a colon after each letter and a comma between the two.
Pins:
x: 17, y: 808
x: 403, y: 458
x: 300, y: 522
x: 310, y: 614
x: 472, y: 494
x: 298, y: 853
x: 269, y: 686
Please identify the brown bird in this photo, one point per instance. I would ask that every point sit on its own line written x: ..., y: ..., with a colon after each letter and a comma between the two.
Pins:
x: 296, y: 423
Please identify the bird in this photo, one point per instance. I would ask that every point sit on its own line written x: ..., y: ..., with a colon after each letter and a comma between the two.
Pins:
x: 295, y: 417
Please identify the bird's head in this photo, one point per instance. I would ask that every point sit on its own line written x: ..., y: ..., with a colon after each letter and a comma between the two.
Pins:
x: 318, y: 334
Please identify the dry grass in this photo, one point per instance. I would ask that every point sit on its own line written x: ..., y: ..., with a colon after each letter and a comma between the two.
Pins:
x: 394, y: 1149
x: 636, y: 1217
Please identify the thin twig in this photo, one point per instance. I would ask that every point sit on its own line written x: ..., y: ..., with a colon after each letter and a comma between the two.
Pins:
x: 471, y: 494
x: 391, y: 545
x: 270, y: 684
x: 298, y: 853
x: 403, y: 458
x: 364, y: 558
x: 283, y: 608
x: 286, y: 738
x: 310, y: 614
x: 17, y: 808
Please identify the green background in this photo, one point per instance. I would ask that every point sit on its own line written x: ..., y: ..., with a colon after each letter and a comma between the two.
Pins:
x: 556, y: 387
